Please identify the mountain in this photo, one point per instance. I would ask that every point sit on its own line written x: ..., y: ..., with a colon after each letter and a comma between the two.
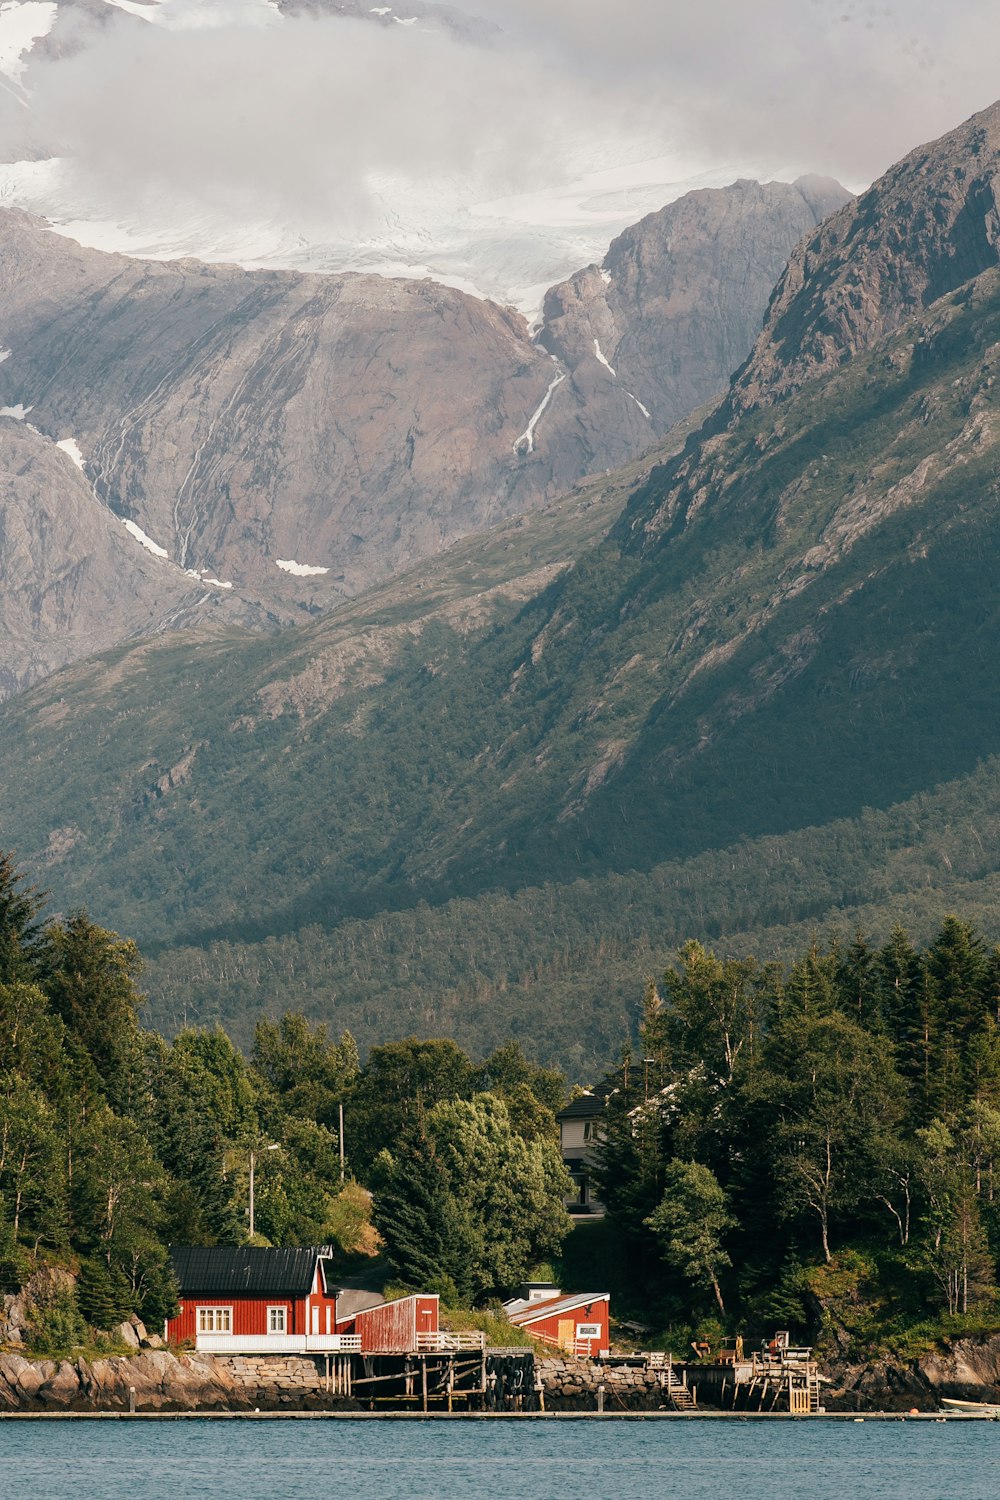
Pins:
x: 72, y: 579
x: 767, y: 696
x: 289, y: 439
x: 672, y: 310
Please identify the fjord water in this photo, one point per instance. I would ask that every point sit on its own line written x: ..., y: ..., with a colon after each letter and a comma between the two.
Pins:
x: 296, y: 1460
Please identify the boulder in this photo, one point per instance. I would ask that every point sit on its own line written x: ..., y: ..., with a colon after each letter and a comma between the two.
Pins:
x: 126, y: 1333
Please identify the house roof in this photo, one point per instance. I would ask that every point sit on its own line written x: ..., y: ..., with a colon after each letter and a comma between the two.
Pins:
x: 355, y: 1300
x: 245, y: 1270
x: 523, y: 1312
x: 584, y: 1106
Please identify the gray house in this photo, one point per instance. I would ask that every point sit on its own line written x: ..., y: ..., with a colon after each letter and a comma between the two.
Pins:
x: 580, y: 1132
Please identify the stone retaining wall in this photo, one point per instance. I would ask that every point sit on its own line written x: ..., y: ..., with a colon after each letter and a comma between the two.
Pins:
x: 572, y: 1385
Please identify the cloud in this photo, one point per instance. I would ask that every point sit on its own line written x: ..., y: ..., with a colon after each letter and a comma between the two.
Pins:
x: 307, y: 119
x: 321, y: 121
x: 846, y: 86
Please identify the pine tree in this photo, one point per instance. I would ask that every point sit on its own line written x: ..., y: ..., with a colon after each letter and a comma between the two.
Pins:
x: 19, y: 925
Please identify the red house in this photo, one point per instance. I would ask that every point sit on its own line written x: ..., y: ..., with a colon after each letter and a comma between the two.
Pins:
x: 250, y: 1299
x: 577, y: 1323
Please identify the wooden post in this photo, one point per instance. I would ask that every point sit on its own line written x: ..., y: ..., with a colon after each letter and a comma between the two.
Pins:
x: 423, y: 1379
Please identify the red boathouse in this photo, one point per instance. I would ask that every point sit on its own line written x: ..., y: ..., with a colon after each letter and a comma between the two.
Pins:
x: 254, y: 1299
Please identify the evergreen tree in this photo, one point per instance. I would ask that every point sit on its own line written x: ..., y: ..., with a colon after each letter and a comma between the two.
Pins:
x: 20, y: 905
x: 690, y: 1223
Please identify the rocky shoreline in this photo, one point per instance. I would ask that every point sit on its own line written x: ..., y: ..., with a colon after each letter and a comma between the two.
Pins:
x: 967, y: 1370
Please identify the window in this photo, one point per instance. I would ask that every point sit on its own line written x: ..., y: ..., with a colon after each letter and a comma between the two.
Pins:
x: 277, y: 1319
x: 215, y: 1320
x: 588, y: 1330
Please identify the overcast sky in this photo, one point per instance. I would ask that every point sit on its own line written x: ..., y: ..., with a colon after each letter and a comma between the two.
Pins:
x: 299, y: 113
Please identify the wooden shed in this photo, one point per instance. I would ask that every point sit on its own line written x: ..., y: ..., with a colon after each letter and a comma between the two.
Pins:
x: 578, y: 1323
x: 402, y: 1326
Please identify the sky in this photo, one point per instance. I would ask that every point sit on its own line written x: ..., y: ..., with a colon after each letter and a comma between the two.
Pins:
x: 342, y: 128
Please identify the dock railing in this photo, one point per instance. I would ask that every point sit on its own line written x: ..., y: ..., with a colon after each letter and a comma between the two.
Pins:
x: 451, y: 1343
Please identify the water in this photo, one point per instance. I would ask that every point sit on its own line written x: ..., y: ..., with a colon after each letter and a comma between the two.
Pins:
x: 567, y: 1460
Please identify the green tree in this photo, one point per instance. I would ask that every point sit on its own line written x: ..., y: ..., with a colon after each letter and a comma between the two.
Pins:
x: 89, y: 976
x: 837, y: 1100
x: 690, y: 1223
x: 499, y: 1197
x: 20, y: 905
x: 310, y: 1074
x: 713, y: 1010
x: 400, y: 1082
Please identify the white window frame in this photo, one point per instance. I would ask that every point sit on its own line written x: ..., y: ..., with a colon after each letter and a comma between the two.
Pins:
x: 588, y: 1330
x: 215, y: 1319
x: 277, y: 1318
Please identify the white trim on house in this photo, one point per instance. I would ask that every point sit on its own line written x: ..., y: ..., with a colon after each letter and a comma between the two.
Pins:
x: 277, y: 1318
x: 277, y: 1343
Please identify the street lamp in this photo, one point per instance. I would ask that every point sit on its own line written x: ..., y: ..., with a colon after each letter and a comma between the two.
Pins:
x: 253, y: 1163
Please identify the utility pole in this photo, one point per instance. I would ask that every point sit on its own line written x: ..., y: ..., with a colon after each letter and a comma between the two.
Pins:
x: 253, y: 1164
x: 340, y: 1109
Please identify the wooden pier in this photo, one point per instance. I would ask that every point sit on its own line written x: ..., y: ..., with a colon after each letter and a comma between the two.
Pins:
x: 780, y: 1379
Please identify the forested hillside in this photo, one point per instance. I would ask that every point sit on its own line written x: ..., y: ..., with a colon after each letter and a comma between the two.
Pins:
x: 867, y: 1079
x: 115, y: 1144
x: 815, y: 1146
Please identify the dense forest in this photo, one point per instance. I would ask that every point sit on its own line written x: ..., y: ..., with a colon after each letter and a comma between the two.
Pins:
x: 827, y: 1134
x: 772, y: 1135
x: 115, y: 1144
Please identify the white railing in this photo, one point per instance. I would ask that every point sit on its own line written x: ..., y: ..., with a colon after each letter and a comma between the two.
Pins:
x: 278, y: 1343
x: 450, y: 1343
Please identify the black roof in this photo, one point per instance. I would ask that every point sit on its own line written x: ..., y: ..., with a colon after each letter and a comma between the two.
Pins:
x: 245, y: 1269
x: 584, y: 1106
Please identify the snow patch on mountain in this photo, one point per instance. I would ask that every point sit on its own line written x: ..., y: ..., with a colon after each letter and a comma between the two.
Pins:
x: 71, y: 447
x: 144, y: 540
x: 300, y: 570
x: 526, y: 442
x: 598, y: 354
x: 22, y: 23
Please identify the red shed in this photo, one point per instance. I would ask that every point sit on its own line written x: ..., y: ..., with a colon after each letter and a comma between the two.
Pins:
x: 577, y: 1323
x: 397, y: 1327
x: 251, y: 1299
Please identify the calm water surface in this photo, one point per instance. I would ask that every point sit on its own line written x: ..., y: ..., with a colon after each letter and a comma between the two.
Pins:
x: 532, y: 1461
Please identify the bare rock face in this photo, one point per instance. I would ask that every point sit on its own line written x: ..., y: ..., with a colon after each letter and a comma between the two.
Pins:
x: 928, y: 226
x: 284, y: 440
x: 661, y: 325
x: 966, y: 1369
x: 72, y: 578
x: 344, y: 425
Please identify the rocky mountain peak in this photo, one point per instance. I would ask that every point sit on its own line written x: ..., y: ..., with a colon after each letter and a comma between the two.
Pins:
x: 929, y: 225
x: 675, y: 305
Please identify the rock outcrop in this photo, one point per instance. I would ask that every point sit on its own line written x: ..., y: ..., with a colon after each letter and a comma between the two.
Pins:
x: 282, y: 440
x: 72, y: 579
x: 658, y: 329
x: 928, y: 226
x: 967, y: 1369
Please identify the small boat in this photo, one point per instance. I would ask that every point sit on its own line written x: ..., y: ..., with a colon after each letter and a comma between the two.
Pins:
x: 971, y: 1408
